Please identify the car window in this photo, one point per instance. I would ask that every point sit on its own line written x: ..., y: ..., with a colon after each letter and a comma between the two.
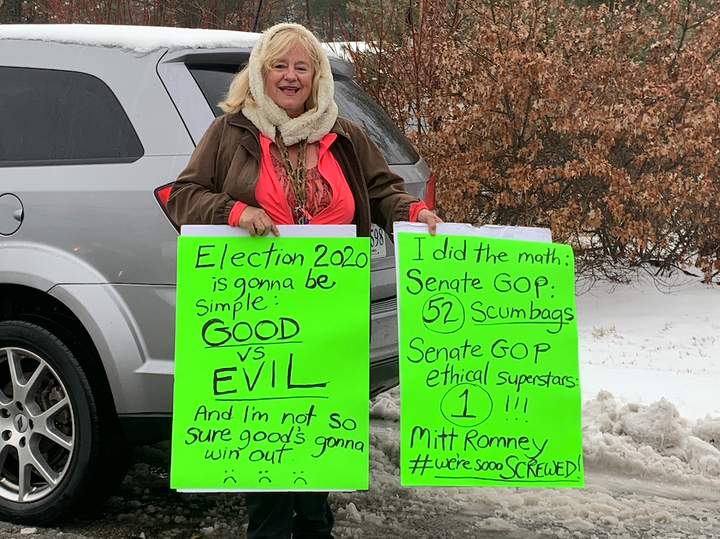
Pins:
x: 214, y: 81
x: 355, y: 104
x: 62, y: 117
x: 352, y: 101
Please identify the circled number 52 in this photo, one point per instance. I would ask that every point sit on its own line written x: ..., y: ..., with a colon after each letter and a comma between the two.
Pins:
x: 443, y: 313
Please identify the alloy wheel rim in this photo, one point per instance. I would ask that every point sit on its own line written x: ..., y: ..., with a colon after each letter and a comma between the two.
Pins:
x: 37, y: 427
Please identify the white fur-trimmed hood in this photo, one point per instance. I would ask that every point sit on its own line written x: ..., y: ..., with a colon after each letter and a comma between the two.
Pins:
x: 266, y: 115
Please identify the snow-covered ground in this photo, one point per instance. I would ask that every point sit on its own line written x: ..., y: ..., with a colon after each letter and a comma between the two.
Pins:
x: 650, y: 378
x: 645, y: 342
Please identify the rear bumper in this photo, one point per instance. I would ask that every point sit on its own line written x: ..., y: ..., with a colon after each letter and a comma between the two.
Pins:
x: 383, y: 346
x: 384, y: 375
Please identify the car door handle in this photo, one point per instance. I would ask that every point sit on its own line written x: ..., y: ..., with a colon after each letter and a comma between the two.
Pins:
x: 18, y: 215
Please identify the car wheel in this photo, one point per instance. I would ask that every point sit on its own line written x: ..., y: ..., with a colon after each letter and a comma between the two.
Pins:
x: 55, y: 448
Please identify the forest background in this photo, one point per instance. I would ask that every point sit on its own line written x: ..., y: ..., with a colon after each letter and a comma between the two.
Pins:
x: 599, y: 121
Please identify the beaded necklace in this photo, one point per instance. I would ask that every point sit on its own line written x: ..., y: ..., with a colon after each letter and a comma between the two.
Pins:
x: 296, y: 175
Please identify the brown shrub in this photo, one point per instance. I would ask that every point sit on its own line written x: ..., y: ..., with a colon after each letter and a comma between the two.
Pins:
x: 603, y: 126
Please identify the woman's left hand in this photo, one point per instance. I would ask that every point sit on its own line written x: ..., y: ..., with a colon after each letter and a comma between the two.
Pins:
x: 430, y: 219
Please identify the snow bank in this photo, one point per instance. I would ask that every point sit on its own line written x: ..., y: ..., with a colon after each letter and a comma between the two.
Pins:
x: 643, y: 448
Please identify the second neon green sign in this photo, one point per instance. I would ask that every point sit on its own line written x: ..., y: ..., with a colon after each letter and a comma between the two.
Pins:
x: 488, y: 362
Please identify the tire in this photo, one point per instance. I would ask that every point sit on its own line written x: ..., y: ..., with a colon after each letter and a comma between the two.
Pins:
x: 61, y: 451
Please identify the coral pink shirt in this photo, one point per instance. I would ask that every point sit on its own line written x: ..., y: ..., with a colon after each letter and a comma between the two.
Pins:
x: 329, y: 199
x: 272, y: 196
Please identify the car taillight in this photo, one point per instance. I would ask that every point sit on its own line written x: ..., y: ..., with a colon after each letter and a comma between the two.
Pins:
x: 161, y: 194
x: 430, y: 192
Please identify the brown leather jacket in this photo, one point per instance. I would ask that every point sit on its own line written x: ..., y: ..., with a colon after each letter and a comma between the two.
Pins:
x: 225, y: 167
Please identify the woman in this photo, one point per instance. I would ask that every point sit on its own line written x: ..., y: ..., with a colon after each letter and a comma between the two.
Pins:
x: 281, y: 155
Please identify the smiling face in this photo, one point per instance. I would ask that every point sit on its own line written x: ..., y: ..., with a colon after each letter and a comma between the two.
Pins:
x: 289, y: 79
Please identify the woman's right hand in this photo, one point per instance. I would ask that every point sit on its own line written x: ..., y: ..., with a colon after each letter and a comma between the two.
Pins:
x: 257, y: 222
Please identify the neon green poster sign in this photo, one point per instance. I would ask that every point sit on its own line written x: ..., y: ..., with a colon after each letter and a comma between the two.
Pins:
x: 488, y: 362
x: 271, y: 364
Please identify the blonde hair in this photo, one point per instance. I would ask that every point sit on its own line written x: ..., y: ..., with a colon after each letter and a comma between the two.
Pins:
x: 279, y: 45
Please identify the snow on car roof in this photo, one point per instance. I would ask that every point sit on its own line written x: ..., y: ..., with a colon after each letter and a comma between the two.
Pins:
x: 137, y: 39
x: 342, y: 49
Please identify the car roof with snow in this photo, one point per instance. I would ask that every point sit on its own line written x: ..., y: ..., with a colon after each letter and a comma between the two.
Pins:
x: 139, y: 40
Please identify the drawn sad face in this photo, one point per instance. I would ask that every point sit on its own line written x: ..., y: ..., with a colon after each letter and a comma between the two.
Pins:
x: 299, y: 479
x: 229, y: 478
x: 264, y: 477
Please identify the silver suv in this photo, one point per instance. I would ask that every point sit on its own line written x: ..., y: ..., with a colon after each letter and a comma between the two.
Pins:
x: 97, y: 122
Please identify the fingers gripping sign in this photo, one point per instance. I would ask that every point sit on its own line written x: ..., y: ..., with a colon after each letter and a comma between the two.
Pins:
x: 430, y: 219
x: 257, y: 222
